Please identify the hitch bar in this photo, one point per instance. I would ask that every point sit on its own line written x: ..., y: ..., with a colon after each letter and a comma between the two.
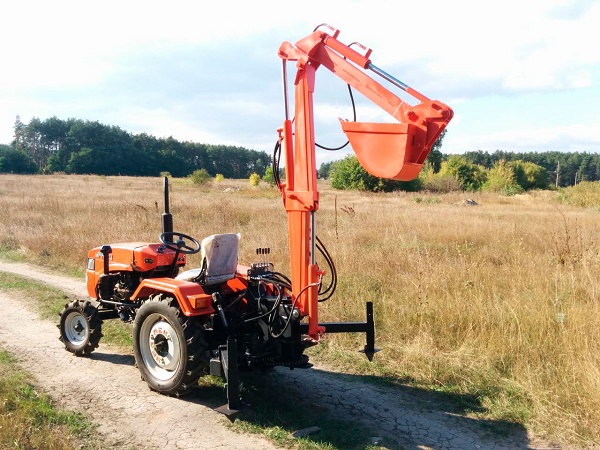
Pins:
x: 367, y: 327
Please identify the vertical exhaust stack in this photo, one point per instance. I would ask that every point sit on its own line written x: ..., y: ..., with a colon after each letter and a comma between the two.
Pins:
x: 167, y: 218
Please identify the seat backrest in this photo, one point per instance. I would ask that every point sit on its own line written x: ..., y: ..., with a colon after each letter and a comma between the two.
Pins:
x: 219, y: 258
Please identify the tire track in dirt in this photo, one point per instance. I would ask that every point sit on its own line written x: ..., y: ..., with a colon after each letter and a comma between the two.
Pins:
x: 109, y: 389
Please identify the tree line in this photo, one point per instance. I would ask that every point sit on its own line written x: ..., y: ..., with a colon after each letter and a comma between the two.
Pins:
x: 503, y: 172
x: 88, y: 147
x: 562, y: 169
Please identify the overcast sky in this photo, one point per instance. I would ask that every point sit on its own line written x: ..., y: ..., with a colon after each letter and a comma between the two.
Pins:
x: 520, y: 75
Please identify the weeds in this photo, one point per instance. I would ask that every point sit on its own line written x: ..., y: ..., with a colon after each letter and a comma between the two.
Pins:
x: 585, y: 194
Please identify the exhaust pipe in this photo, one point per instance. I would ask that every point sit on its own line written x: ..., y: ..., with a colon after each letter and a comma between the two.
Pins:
x: 167, y: 218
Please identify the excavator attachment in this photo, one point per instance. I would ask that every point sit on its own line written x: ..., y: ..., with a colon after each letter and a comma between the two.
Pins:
x: 398, y: 150
x: 384, y: 149
x: 395, y: 150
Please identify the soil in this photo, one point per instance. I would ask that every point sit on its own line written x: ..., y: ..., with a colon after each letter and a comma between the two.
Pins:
x: 107, y: 388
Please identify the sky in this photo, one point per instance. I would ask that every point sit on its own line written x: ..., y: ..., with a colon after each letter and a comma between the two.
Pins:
x: 520, y: 76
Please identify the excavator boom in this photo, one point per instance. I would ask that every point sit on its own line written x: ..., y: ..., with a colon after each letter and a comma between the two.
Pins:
x: 395, y: 150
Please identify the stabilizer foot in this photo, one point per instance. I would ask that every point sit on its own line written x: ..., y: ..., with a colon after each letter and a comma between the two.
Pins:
x: 231, y: 414
x: 369, y: 353
x: 229, y: 366
x: 370, y: 349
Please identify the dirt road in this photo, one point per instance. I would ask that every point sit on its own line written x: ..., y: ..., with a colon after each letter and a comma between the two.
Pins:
x: 107, y: 387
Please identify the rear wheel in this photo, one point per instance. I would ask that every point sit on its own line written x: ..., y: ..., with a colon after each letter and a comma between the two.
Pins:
x: 169, y: 348
x: 80, y: 327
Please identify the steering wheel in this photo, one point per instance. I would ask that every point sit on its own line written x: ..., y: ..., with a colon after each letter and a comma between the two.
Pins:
x: 180, y: 245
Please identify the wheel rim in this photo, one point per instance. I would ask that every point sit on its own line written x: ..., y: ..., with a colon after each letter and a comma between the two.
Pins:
x: 159, y: 347
x: 76, y: 328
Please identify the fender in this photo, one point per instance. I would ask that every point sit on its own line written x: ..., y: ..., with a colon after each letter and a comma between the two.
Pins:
x: 192, y: 299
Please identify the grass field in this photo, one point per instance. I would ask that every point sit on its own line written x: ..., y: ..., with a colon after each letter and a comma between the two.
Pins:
x: 497, y: 302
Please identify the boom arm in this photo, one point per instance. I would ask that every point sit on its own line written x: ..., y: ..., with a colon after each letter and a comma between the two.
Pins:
x: 386, y: 150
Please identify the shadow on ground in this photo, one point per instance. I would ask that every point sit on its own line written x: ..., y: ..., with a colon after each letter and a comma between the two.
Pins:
x: 406, y: 416
x: 113, y: 358
x: 353, y: 412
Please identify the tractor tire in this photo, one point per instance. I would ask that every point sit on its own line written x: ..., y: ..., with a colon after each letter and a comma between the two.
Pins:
x: 169, y: 348
x: 80, y: 327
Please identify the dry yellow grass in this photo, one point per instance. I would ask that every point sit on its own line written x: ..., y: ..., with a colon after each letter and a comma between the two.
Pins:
x: 499, y: 300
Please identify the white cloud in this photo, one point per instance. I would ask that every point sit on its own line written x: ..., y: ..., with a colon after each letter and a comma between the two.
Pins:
x: 91, y: 61
x: 582, y: 137
x: 522, y: 45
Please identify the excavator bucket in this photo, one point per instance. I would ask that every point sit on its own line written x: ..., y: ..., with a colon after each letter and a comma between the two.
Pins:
x: 386, y: 150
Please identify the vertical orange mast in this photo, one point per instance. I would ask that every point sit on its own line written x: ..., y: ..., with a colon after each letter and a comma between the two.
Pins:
x: 301, y: 198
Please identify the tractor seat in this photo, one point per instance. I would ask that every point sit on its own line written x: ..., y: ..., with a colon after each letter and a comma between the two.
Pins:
x: 219, y: 260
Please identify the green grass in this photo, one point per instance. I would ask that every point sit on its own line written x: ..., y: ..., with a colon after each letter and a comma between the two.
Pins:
x: 10, y: 252
x: 49, y: 302
x: 117, y: 333
x: 29, y: 419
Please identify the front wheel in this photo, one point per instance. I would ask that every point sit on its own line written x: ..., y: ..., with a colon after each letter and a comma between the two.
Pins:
x: 80, y: 327
x: 169, y: 348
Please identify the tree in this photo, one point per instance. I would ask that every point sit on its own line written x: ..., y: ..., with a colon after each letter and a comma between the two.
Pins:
x: 15, y: 161
x: 529, y: 175
x: 480, y: 158
x: 501, y: 179
x: 82, y: 162
x: 32, y: 143
x: 254, y: 179
x: 438, y: 182
x: 19, y: 129
x: 434, y: 159
x: 470, y: 176
x: 349, y: 174
x: 325, y: 169
x: 200, y: 177
x: 268, y: 177
x: 587, y: 169
x: 57, y: 145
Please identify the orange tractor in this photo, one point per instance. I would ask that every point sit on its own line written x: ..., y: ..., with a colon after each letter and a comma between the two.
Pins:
x: 224, y: 317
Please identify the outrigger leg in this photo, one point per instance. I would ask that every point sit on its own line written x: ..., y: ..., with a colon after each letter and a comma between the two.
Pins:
x: 229, y: 367
x: 367, y: 327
